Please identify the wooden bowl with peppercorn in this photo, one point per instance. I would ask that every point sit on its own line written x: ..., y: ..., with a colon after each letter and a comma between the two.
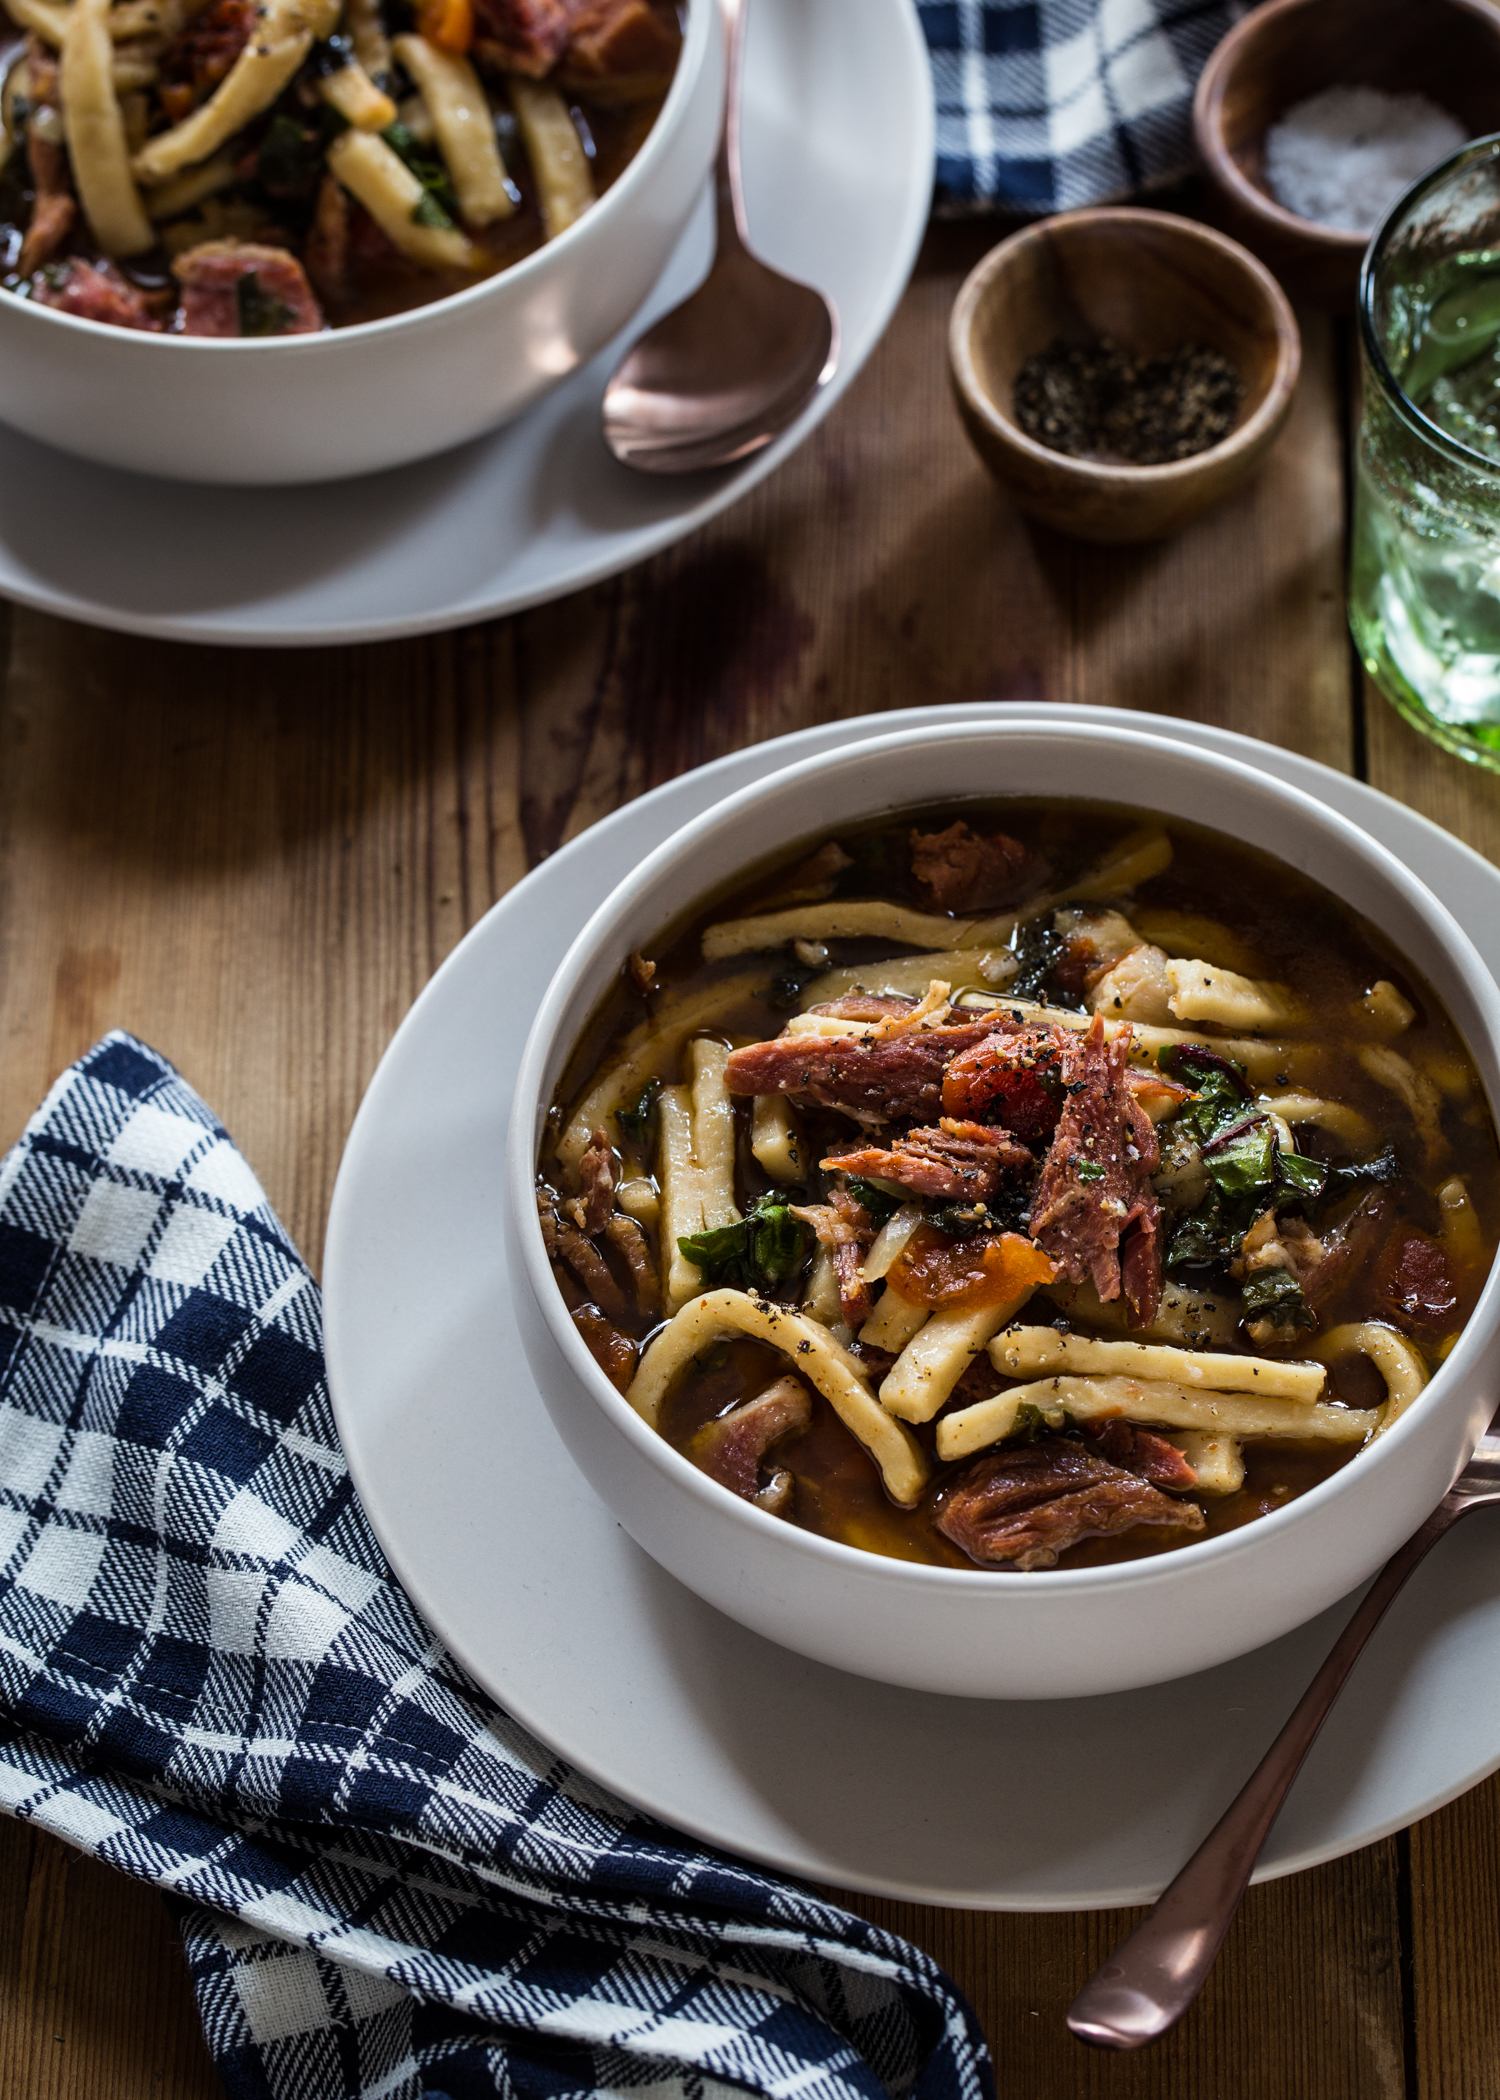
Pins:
x: 1122, y: 371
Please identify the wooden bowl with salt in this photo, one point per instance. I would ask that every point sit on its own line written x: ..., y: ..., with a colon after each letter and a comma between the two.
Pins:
x: 1152, y: 283
x: 1288, y: 50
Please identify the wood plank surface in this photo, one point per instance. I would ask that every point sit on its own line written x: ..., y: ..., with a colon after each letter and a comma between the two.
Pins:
x: 256, y: 861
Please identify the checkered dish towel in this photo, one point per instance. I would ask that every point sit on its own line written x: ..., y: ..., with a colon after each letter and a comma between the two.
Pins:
x: 209, y: 1679
x: 1043, y: 105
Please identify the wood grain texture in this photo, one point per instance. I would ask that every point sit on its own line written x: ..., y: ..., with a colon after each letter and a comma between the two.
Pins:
x: 256, y: 862
x: 1455, y: 1947
x: 1305, y: 2000
x: 95, y: 2002
x: 1463, y: 798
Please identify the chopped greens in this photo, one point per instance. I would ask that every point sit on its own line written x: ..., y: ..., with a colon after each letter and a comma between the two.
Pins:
x: 879, y: 866
x: 1205, y: 1235
x: 1276, y: 1295
x: 784, y: 995
x: 1378, y: 1171
x: 1089, y: 1170
x: 759, y: 1252
x: 1008, y: 1210
x: 289, y: 159
x: 638, y: 1122
x: 1038, y: 948
x: 260, y: 313
x: 428, y: 212
x: 1248, y: 1172
x: 1219, y: 1087
x: 438, y: 204
x: 878, y: 1202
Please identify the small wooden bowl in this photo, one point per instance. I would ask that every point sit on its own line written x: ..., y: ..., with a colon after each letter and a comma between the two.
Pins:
x: 1152, y: 282
x: 1448, y: 50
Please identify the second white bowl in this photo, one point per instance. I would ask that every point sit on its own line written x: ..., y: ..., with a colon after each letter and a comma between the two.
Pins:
x: 352, y: 400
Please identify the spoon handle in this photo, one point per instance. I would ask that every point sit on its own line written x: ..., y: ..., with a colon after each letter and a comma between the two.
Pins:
x: 728, y: 184
x: 1152, y: 1977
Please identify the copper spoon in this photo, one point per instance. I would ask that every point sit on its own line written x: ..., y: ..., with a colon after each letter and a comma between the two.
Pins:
x: 724, y: 373
x: 1152, y: 1978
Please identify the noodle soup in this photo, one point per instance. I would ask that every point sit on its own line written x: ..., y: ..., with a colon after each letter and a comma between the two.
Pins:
x: 1020, y: 1185
x: 277, y: 167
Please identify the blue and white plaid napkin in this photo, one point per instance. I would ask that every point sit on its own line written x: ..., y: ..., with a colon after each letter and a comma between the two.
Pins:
x: 209, y: 1679
x: 1047, y: 104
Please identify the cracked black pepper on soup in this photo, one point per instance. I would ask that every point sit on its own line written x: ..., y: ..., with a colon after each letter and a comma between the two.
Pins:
x: 1096, y: 400
x: 1017, y: 1184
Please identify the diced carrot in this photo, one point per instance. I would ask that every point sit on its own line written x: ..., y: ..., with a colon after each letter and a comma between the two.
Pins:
x: 933, y: 1270
x: 447, y: 23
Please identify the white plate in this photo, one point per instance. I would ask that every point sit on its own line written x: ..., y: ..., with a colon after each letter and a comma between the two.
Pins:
x: 529, y: 1580
x: 838, y: 146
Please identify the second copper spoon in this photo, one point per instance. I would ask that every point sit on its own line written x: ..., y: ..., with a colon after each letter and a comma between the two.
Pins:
x: 721, y: 375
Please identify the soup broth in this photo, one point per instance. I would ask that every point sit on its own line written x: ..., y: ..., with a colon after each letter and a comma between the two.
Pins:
x: 1017, y: 1185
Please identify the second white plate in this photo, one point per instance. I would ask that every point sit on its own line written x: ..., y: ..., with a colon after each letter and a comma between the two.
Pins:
x: 534, y: 1586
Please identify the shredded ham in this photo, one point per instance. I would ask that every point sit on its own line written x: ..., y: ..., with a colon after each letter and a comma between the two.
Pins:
x: 1095, y: 1196
x: 1142, y: 1451
x: 54, y: 210
x: 521, y: 36
x: 596, y: 1170
x: 1024, y: 1506
x: 732, y: 1448
x: 620, y: 40
x: 211, y: 276
x: 955, y: 1161
x: 94, y: 292
x: 880, y: 1079
x: 847, y: 1230
x: 961, y: 872
x: 614, y: 1352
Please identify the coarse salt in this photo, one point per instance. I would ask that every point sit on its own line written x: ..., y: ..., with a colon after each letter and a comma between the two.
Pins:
x: 1343, y: 157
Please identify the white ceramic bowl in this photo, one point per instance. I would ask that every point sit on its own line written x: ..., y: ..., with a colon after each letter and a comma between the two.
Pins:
x: 1054, y: 1634
x: 318, y: 407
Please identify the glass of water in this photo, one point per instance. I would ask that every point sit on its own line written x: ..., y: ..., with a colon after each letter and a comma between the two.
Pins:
x: 1424, y: 593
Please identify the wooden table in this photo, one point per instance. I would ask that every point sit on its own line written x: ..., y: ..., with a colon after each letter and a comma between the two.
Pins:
x: 255, y: 861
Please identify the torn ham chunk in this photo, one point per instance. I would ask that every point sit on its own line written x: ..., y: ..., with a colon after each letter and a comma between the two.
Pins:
x: 624, y: 1289
x: 867, y: 1006
x: 959, y: 871
x: 955, y: 1161
x: 883, y: 1079
x: 94, y: 292
x: 612, y: 1351
x: 1026, y: 1506
x: 1416, y: 1282
x: 521, y: 36
x: 1143, y: 1451
x: 245, y: 288
x: 630, y: 41
x: 846, y: 1229
x: 1095, y: 1211
x: 53, y: 209
x: 326, y: 250
x: 195, y: 62
x: 732, y: 1448
x: 596, y: 1171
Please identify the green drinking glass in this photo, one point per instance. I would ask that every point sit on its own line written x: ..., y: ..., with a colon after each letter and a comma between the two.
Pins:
x: 1424, y: 588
